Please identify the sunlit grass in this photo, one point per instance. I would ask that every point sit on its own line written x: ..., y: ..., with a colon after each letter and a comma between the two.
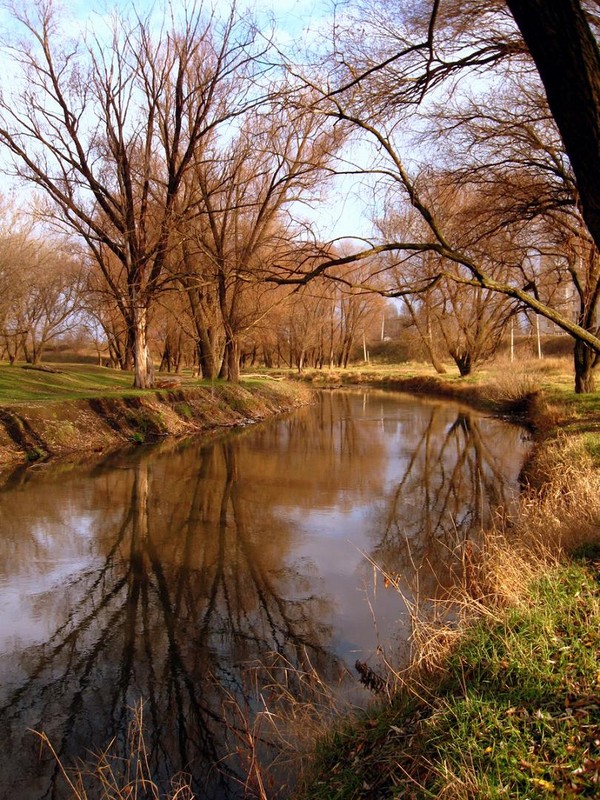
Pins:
x: 68, y: 382
x: 516, y: 713
x: 502, y: 699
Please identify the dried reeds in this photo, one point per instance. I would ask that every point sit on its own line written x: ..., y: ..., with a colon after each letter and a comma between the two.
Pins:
x: 554, y: 518
x: 111, y: 777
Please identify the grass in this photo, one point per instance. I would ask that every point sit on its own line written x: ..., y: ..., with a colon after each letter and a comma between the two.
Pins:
x: 57, y: 412
x: 502, y: 699
x: 70, y: 382
x: 516, y: 712
x: 112, y: 777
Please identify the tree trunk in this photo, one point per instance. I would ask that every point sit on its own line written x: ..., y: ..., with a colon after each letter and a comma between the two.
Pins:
x: 142, y: 363
x: 462, y: 359
x: 585, y: 360
x: 128, y: 357
x: 231, y: 361
x: 205, y: 346
x: 561, y: 43
x: 165, y: 361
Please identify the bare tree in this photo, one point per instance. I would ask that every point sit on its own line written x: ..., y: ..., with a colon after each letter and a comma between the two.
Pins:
x: 564, y: 47
x: 375, y: 94
x: 41, y: 289
x: 248, y: 199
x: 506, y: 151
x: 109, y: 128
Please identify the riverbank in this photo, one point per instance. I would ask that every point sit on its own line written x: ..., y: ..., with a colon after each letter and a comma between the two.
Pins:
x: 502, y: 697
x: 516, y: 395
x: 48, y: 414
x: 519, y: 584
x: 514, y: 711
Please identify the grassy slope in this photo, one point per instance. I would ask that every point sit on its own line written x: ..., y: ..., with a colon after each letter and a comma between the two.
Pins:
x: 86, y: 408
x: 68, y: 382
x: 516, y: 714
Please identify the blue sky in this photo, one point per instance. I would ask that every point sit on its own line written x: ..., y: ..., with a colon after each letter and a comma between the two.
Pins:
x: 296, y: 24
x: 291, y: 16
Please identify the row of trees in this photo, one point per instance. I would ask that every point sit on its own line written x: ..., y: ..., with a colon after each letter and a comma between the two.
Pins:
x: 489, y: 199
x: 49, y: 297
x: 50, y: 293
x: 182, y: 156
x: 172, y: 157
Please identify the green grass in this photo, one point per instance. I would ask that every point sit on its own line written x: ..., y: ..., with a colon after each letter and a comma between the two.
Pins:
x: 517, y: 714
x: 580, y: 414
x: 69, y: 382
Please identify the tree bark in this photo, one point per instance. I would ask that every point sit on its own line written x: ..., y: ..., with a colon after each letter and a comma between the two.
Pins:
x: 561, y: 43
x: 142, y: 363
x: 585, y: 360
x: 205, y: 348
x: 232, y: 360
x: 463, y: 360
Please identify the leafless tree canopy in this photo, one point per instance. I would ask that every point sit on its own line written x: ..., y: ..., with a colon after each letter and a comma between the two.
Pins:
x: 182, y: 153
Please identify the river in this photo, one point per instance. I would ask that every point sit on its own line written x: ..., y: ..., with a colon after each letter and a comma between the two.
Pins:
x: 192, y: 573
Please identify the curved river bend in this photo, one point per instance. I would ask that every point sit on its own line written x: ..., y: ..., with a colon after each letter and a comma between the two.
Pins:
x: 171, y: 573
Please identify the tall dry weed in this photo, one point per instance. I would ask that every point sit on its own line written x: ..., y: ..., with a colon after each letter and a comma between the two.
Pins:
x: 292, y: 707
x: 514, y: 384
x: 112, y: 777
x: 557, y: 516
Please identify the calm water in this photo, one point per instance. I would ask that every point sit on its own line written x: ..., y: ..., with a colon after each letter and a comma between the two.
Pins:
x: 171, y: 573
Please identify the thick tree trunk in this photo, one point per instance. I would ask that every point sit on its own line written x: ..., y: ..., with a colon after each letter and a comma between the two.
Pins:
x: 207, y: 360
x: 567, y: 57
x: 463, y: 361
x: 584, y: 361
x: 231, y: 360
x: 142, y: 363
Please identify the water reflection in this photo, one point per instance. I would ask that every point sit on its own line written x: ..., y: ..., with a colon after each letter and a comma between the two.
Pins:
x: 453, y: 480
x: 165, y: 573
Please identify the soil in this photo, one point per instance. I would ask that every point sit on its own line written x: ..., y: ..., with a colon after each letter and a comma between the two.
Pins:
x: 32, y: 432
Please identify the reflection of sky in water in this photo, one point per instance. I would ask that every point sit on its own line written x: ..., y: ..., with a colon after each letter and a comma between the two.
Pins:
x: 335, y: 540
x: 55, y: 562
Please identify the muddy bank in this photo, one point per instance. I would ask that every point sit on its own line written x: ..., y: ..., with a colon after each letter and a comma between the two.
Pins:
x: 33, y: 431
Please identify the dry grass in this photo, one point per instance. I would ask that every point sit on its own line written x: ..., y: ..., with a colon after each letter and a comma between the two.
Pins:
x: 296, y: 708
x: 513, y: 385
x: 110, y: 777
x: 558, y: 515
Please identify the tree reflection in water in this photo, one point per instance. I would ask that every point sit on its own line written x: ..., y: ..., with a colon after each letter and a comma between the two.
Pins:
x: 461, y: 469
x: 168, y: 573
x: 454, y: 480
x: 184, y: 597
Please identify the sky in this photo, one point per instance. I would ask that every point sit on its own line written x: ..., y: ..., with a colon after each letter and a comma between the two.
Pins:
x: 292, y: 18
x: 294, y: 24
